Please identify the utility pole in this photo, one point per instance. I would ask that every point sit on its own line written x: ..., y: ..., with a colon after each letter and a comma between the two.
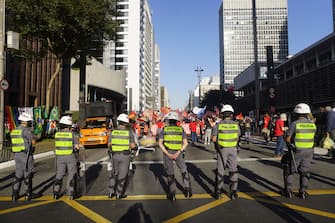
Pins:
x: 199, y: 70
x: 2, y: 70
x: 256, y: 67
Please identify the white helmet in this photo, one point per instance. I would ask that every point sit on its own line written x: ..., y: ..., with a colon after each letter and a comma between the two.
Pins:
x: 171, y: 116
x: 25, y: 117
x: 66, y: 120
x: 302, y: 108
x: 123, y: 118
x: 227, y: 108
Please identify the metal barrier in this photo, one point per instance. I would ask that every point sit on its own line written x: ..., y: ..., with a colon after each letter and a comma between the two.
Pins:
x: 6, y: 152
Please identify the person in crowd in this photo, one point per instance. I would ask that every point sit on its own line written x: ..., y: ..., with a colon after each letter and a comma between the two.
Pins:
x: 173, y: 143
x: 321, y: 124
x: 300, y: 139
x: 225, y: 136
x: 279, y: 133
x: 247, y: 128
x: 22, y: 139
x: 209, y: 123
x: 66, y: 145
x: 193, y: 128
x: 265, y: 127
x: 331, y: 123
x: 121, y: 143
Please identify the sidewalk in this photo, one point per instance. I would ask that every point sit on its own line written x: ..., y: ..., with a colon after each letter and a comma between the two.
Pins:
x: 43, y: 148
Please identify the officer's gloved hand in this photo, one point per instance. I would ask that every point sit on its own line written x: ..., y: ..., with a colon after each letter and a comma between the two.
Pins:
x: 132, y: 154
x: 291, y: 147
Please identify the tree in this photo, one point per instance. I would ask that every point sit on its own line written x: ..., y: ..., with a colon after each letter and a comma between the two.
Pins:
x: 215, y: 98
x: 67, y: 28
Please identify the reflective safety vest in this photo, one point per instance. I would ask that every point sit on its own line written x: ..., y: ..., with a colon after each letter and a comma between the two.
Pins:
x: 120, y: 140
x: 64, y: 143
x: 17, y: 141
x: 304, y: 135
x: 173, y: 137
x: 228, y: 135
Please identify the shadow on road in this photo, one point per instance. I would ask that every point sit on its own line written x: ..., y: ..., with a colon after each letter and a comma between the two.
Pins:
x: 9, y: 178
x: 136, y: 214
x: 92, y: 174
x: 279, y: 208
x: 201, y: 178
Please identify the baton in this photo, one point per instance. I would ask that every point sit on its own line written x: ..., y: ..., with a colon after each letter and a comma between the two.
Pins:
x: 27, y: 157
x: 290, y: 149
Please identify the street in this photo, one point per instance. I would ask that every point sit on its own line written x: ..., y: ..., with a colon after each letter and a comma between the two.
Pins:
x: 260, y: 180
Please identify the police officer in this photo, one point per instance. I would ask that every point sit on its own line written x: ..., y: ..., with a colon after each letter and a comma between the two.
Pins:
x: 301, y: 132
x: 121, y: 142
x: 23, y: 140
x: 173, y: 142
x: 67, y: 144
x: 225, y: 136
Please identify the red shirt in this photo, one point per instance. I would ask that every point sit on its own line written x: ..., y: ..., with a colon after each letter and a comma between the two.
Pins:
x: 278, y: 127
x: 266, y: 121
x: 193, y: 126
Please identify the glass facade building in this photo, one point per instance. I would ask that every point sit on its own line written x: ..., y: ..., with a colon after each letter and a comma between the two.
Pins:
x: 236, y: 34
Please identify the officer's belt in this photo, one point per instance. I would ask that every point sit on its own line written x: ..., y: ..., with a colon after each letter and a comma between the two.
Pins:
x: 125, y: 152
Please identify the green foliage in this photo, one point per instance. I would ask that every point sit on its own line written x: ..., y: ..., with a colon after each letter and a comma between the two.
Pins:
x: 65, y: 27
x: 215, y: 98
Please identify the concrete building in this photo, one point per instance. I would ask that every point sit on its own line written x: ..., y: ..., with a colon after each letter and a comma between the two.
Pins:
x: 206, y: 84
x: 308, y: 76
x: 101, y: 84
x: 164, y: 97
x: 236, y: 34
x: 133, y: 51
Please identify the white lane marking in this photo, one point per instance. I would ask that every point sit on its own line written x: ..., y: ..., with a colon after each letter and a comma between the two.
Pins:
x: 187, y: 161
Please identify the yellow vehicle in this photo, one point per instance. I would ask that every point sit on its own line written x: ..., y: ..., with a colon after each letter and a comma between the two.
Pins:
x: 94, y: 132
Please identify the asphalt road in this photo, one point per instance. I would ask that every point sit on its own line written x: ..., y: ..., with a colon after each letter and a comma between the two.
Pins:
x: 260, y: 179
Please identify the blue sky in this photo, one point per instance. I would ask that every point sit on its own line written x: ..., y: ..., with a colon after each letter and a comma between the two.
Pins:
x: 187, y: 34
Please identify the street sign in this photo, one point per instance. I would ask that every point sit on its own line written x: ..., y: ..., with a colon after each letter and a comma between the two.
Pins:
x: 4, y: 85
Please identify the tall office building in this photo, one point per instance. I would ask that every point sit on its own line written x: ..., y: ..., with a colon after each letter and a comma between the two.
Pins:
x: 133, y: 51
x: 236, y: 34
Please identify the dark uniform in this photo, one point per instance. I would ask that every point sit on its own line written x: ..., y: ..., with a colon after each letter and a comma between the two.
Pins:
x: 65, y: 141
x: 22, y: 138
x: 120, y: 140
x: 302, y: 131
x: 227, y: 134
x: 173, y: 137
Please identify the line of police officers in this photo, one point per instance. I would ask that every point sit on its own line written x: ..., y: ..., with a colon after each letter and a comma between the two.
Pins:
x: 173, y: 143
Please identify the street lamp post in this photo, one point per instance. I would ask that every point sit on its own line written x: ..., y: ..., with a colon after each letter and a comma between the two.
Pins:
x: 256, y: 67
x: 199, y: 70
x: 2, y: 69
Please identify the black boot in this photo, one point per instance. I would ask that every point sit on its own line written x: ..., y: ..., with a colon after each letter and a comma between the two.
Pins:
x: 188, y: 192
x: 56, y: 195
x: 234, y: 195
x: 287, y: 193
x: 303, y: 195
x: 121, y: 196
x: 218, y: 195
x: 171, y: 197
x: 15, y: 195
x: 111, y: 195
x: 30, y: 195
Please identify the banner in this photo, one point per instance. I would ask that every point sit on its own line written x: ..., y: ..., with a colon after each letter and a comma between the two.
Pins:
x: 54, y: 114
x: 38, y: 121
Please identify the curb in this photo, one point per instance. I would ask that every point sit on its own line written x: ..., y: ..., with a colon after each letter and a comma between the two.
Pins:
x: 36, y: 157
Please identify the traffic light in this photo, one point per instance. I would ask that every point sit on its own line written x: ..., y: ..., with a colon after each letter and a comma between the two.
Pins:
x: 269, y: 62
